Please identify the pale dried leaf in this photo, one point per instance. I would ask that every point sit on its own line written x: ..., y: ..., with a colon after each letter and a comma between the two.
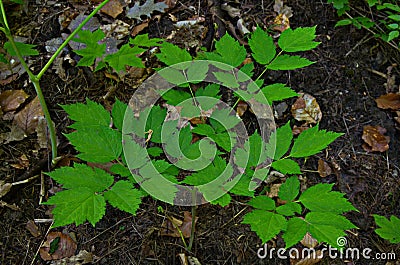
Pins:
x: 33, y: 228
x: 146, y: 9
x: 281, y: 23
x: 241, y: 108
x: 374, y: 139
x: 389, y: 101
x: 16, y: 134
x: 174, y: 227
x: 66, y: 246
x: 308, y: 241
x: 118, y: 30
x: 113, y: 8
x: 23, y: 162
x: 281, y: 8
x: 11, y: 206
x: 11, y: 99
x: 324, y: 169
x: 83, y: 257
x: 311, y: 259
x: 27, y: 119
x: 4, y: 188
x: 42, y: 133
x: 274, y: 190
x: 306, y: 109
x: 138, y: 28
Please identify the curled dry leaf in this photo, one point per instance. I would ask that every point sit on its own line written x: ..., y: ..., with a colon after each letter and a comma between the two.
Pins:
x: 57, y: 246
x: 306, y: 109
x: 374, y: 139
x: 324, y: 169
x: 389, y: 101
x: 27, y: 119
x: 172, y: 226
x: 11, y: 99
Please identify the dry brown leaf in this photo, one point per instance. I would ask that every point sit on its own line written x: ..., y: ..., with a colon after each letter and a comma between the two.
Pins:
x: 33, y: 228
x: 374, y: 139
x: 27, y: 119
x: 9, y: 79
x: 281, y: 23
x: 113, y: 8
x: 308, y: 241
x: 16, y: 134
x: 137, y: 29
x: 389, y: 101
x: 23, y: 162
x: 66, y: 246
x: 297, y: 130
x: 42, y: 133
x: 274, y: 190
x: 172, y: 226
x: 11, y: 99
x: 306, y: 109
x: 4, y: 188
x: 11, y: 206
x: 83, y: 257
x: 309, y: 260
x: 324, y: 169
x: 241, y: 108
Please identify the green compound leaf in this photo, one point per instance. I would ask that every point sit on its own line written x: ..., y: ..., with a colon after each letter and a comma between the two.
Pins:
x: 121, y: 170
x: 208, y: 174
x: 277, y: 92
x: 125, y: 56
x: 118, y: 113
x: 104, y: 145
x: 320, y: 139
x: 87, y: 115
x: 288, y: 62
x: 242, y: 186
x: 221, y: 139
x: 211, y: 90
x: 154, y: 151
x: 227, y: 50
x: 320, y: 198
x: 262, y: 203
x: 24, y: 49
x: 262, y: 45
x: 286, y: 166
x: 94, y: 179
x: 289, y: 190
x: 174, y: 97
x: 389, y: 229
x: 289, y: 209
x: 154, y: 122
x: 76, y: 206
x: 226, y: 118
x: 300, y: 39
x: 93, y: 50
x: 124, y: 197
x: 222, y: 201
x: 332, y: 219
x: 280, y: 142
x: 144, y: 41
x: 171, y: 54
x: 295, y: 230
x: 227, y: 79
x: 248, y: 69
x: 265, y: 224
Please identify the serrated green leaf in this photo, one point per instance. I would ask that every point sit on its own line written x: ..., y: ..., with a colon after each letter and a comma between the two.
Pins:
x: 154, y: 122
x: 288, y: 62
x: 289, y: 190
x: 125, y: 56
x: 118, y: 113
x: 104, y: 146
x: 171, y: 54
x: 265, y: 224
x: 222, y: 201
x: 211, y: 90
x: 87, y: 115
x: 124, y: 197
x: 326, y: 233
x: 131, y: 151
x: 331, y: 219
x: 24, y: 49
x: 242, y: 187
x: 344, y: 22
x: 174, y: 76
x: 262, y: 203
x: 76, y: 206
x: 320, y: 198
x: 81, y: 175
x: 90, y: 38
x: 154, y: 151
x: 208, y: 174
x: 227, y: 79
x: 121, y: 170
x: 286, y: 166
x: 262, y: 45
x: 144, y: 41
x: 226, y: 118
x: 248, y: 69
x: 388, y: 229
x: 197, y: 71
x: 289, y: 209
x: 90, y: 54
x: 174, y: 97
x: 203, y: 129
x: 295, y: 231
x: 228, y: 51
x: 279, y: 142
x: 300, y: 39
x: 320, y: 139
x: 277, y: 92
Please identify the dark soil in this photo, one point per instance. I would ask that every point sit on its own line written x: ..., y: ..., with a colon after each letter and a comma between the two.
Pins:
x: 341, y: 80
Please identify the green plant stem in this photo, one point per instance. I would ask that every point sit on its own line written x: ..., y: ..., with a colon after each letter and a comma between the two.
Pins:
x: 70, y: 37
x: 189, y: 248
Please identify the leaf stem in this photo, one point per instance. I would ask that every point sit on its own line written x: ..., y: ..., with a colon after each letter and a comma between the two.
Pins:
x: 189, y: 248
x: 70, y: 37
x: 265, y: 70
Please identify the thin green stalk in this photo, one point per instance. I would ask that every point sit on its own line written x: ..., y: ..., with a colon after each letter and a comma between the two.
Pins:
x: 194, y: 205
x: 70, y: 37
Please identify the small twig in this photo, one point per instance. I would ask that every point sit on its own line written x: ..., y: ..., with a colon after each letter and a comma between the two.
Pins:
x: 41, y: 243
x: 377, y: 73
x: 363, y: 40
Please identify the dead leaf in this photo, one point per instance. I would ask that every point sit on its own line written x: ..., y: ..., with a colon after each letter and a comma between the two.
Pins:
x: 146, y: 9
x: 11, y: 206
x: 281, y: 23
x: 308, y: 241
x: 23, y: 162
x: 138, y: 28
x: 297, y: 130
x: 33, y: 228
x: 16, y: 134
x: 389, y: 101
x: 4, y: 188
x: 306, y: 109
x: 9, y: 79
x: 241, y: 108
x: 113, y: 8
x: 324, y: 169
x: 83, y: 257
x: 374, y: 139
x: 62, y: 245
x: 27, y: 119
x: 11, y: 99
x: 42, y: 133
x: 172, y: 226
x: 274, y: 190
x: 311, y: 259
